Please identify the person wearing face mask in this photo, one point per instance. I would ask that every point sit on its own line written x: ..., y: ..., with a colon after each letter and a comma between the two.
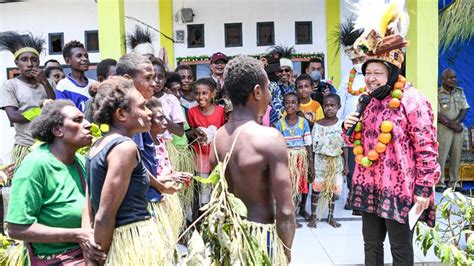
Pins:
x: 315, y: 70
x: 352, y: 85
x: 396, y: 146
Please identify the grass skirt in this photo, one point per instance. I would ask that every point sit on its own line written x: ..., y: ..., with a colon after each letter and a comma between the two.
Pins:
x: 170, y: 220
x: 19, y: 152
x: 267, y: 239
x: 183, y: 160
x: 137, y: 244
x: 328, y: 179
x: 298, y: 165
x: 17, y: 255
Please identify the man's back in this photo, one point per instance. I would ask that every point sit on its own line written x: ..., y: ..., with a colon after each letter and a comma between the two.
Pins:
x: 257, y: 172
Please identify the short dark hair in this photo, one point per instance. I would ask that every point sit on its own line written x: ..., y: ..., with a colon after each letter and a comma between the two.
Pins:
x: 131, y: 64
x: 333, y: 96
x: 173, y: 77
x: 50, y: 69
x: 71, y: 45
x: 304, y: 77
x: 112, y: 94
x: 153, y: 103
x: 51, y: 60
x: 241, y: 75
x: 51, y: 116
x: 184, y: 67
x: 157, y: 62
x: 316, y: 60
x: 291, y: 93
x: 104, y: 66
x: 209, y: 82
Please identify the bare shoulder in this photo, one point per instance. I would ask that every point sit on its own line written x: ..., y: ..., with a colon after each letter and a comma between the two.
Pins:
x: 125, y: 148
x: 267, y: 138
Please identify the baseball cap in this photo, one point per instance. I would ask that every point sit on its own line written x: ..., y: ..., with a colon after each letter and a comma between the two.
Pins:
x: 219, y: 56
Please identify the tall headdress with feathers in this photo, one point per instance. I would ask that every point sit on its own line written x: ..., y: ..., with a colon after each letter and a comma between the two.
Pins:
x: 18, y: 43
x: 284, y: 54
x: 385, y: 27
x: 347, y: 35
x: 140, y: 41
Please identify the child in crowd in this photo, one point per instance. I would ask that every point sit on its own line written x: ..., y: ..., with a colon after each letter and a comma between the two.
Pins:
x: 313, y: 112
x: 329, y: 164
x: 21, y: 96
x: 170, y: 210
x: 51, y: 62
x: 170, y: 104
x: 297, y: 134
x: 173, y: 84
x: 204, y: 121
x: 54, y: 73
x: 75, y: 86
x: 311, y: 109
x: 186, y: 98
x: 105, y: 69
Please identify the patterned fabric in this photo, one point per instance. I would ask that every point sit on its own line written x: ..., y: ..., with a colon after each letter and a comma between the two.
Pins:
x: 407, y: 168
x: 277, y: 91
x: 328, y: 142
x: 297, y: 135
x: 164, y: 163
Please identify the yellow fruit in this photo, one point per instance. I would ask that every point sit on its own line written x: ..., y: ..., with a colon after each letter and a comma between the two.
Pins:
x: 358, y: 127
x: 373, y: 155
x: 358, y: 150
x: 386, y: 126
x: 385, y: 138
x: 365, y: 162
x: 394, y: 103
x: 358, y: 158
x: 398, y: 85
x: 401, y: 78
x: 380, y: 147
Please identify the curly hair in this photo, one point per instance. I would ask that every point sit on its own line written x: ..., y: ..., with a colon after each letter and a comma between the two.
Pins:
x: 240, y: 77
x: 112, y: 94
x: 51, y: 116
x: 153, y: 103
x: 71, y: 45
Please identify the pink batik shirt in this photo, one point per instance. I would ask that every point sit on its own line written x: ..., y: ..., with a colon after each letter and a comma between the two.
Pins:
x: 407, y: 168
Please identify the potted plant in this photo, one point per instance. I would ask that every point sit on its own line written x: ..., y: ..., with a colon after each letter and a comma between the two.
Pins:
x: 452, y: 237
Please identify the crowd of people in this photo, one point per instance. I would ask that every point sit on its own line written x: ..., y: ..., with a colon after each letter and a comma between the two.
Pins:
x: 129, y: 198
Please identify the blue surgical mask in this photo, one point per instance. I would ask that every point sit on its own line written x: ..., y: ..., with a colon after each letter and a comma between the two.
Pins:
x: 315, y: 75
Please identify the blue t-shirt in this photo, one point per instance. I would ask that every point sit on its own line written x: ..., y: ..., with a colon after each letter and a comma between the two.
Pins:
x: 69, y: 89
x: 147, y: 149
x: 296, y: 136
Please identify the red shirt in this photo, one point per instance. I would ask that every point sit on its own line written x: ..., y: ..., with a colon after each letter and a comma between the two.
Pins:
x: 209, y: 124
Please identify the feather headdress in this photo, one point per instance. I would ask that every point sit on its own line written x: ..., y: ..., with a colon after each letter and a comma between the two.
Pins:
x: 140, y: 41
x: 385, y: 27
x: 282, y: 51
x: 18, y: 43
x: 346, y: 37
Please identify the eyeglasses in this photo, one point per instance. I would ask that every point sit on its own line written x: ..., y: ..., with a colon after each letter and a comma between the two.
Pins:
x: 285, y: 70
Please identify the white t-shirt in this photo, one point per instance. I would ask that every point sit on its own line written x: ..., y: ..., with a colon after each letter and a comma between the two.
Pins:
x: 172, y: 111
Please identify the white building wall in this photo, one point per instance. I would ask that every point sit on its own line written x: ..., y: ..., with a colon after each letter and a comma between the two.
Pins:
x: 213, y: 14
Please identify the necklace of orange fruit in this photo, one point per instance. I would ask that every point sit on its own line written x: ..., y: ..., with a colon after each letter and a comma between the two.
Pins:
x: 351, y: 81
x: 386, y: 127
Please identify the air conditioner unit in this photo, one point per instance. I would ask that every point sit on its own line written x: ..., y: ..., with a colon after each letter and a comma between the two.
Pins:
x: 187, y: 15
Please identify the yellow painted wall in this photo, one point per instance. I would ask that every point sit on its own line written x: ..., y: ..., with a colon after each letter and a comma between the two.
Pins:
x: 333, y: 10
x: 111, y: 23
x: 422, y: 51
x: 166, y: 27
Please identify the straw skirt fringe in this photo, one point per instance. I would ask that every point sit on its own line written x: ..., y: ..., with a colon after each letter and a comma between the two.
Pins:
x: 298, y: 166
x: 137, y: 244
x: 268, y: 240
x: 19, y: 152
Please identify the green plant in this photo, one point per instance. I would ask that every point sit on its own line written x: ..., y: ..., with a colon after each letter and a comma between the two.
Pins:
x: 457, y: 224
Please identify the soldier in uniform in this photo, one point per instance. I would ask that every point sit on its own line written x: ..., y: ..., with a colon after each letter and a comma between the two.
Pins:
x: 452, y: 107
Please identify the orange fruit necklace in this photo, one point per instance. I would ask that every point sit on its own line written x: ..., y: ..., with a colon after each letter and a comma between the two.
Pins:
x: 351, y: 81
x: 386, y: 127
